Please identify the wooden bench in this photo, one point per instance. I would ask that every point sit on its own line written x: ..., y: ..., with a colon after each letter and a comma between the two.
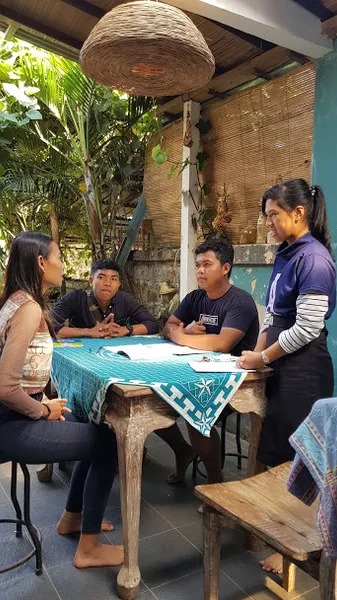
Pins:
x: 262, y: 506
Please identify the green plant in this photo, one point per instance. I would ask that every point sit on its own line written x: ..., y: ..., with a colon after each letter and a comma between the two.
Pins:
x: 69, y: 146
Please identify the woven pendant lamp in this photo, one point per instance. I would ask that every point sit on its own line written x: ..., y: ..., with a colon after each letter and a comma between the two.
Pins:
x: 148, y: 49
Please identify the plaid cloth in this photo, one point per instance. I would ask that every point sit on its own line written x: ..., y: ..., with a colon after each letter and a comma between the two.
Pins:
x: 314, y: 471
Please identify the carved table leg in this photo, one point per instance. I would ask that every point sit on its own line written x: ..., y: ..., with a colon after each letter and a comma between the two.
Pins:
x: 130, y: 440
x: 131, y: 433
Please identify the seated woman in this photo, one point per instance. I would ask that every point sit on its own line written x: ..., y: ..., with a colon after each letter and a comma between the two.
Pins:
x: 34, y: 429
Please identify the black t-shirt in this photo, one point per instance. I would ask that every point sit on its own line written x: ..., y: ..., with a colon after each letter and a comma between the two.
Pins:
x: 234, y: 309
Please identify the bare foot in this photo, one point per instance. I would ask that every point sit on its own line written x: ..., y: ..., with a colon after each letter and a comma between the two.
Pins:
x: 273, y: 564
x: 70, y: 523
x: 101, y: 555
x: 181, y: 465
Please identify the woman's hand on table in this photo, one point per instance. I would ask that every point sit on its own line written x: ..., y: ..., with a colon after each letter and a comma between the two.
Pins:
x: 57, y: 408
x: 250, y: 360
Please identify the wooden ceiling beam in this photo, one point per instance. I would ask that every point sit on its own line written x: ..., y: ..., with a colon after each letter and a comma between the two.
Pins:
x: 86, y: 7
x: 32, y: 24
x: 247, y: 37
x: 299, y: 58
x: 316, y: 7
x: 263, y: 75
x: 329, y: 27
x: 216, y: 94
x: 242, y: 74
x: 290, y: 26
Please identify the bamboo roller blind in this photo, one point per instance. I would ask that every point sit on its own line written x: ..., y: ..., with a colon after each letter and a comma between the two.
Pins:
x: 258, y: 136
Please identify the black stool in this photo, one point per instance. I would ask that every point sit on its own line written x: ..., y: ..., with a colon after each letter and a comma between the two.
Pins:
x: 223, y: 418
x: 20, y: 522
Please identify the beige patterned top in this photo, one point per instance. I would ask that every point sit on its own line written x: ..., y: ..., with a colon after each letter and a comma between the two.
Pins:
x: 25, y: 354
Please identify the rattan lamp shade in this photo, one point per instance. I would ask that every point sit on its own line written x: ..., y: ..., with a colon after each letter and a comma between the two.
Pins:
x: 147, y: 49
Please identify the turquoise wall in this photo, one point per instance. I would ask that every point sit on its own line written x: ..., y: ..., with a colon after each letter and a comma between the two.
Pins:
x: 324, y: 165
x: 254, y: 279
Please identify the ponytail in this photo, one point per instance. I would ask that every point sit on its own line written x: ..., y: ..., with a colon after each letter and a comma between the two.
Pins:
x: 318, y: 223
x: 296, y: 192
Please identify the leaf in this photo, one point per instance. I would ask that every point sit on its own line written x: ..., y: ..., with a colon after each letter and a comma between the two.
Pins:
x: 206, y: 188
x: 12, y: 90
x: 33, y: 114
x: 204, y: 215
x: 171, y: 171
x: 2, y: 170
x: 29, y: 89
x: 204, y: 126
x: 127, y: 169
x: 184, y: 165
x: 24, y: 121
x: 155, y: 151
x: 202, y: 158
x: 8, y: 117
x: 159, y: 155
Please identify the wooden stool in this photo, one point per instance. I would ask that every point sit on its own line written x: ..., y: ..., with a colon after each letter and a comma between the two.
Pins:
x: 263, y: 507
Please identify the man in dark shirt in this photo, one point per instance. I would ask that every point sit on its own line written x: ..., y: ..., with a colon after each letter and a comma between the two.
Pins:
x: 217, y: 317
x: 105, y: 311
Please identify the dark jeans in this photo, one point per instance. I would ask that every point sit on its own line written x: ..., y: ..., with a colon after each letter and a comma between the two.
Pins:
x: 36, y: 442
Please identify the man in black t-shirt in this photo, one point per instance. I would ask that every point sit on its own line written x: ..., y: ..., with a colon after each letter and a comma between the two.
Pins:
x: 217, y: 317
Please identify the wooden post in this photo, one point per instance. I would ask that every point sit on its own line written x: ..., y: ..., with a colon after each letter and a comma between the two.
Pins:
x: 10, y: 32
x: 327, y: 577
x: 190, y: 197
x: 212, y: 545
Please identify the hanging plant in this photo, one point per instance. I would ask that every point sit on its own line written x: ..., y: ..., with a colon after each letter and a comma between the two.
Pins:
x: 223, y: 216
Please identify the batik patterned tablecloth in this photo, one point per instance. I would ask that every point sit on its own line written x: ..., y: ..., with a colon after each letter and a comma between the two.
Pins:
x: 83, y: 375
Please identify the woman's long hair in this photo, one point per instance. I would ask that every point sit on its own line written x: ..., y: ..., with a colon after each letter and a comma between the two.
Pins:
x: 23, y: 272
x: 297, y: 192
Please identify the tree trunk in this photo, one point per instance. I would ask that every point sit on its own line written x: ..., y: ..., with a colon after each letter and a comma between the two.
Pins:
x: 95, y: 227
x: 54, y: 224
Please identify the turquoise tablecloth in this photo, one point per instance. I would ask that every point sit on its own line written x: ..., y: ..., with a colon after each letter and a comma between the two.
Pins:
x: 83, y: 375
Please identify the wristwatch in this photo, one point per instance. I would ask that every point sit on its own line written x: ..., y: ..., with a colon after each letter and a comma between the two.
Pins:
x: 129, y: 328
x: 48, y: 409
x: 265, y: 359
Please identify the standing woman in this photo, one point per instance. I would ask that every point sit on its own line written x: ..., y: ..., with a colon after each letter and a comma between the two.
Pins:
x: 36, y: 430
x: 300, y: 298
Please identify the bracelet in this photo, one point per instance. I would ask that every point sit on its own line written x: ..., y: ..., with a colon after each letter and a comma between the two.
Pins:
x: 265, y: 359
x: 48, y: 409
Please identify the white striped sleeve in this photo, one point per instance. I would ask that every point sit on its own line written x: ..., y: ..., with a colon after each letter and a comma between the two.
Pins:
x: 311, y: 309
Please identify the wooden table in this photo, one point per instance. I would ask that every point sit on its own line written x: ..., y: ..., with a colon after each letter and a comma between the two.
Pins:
x: 135, y: 412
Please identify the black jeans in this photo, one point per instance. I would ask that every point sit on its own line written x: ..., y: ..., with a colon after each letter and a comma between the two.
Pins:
x: 35, y: 442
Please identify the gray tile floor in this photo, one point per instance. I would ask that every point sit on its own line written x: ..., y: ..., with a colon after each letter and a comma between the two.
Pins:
x: 170, y: 544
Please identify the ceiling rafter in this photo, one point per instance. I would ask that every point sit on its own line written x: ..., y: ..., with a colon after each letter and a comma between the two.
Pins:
x: 317, y: 8
x: 32, y: 24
